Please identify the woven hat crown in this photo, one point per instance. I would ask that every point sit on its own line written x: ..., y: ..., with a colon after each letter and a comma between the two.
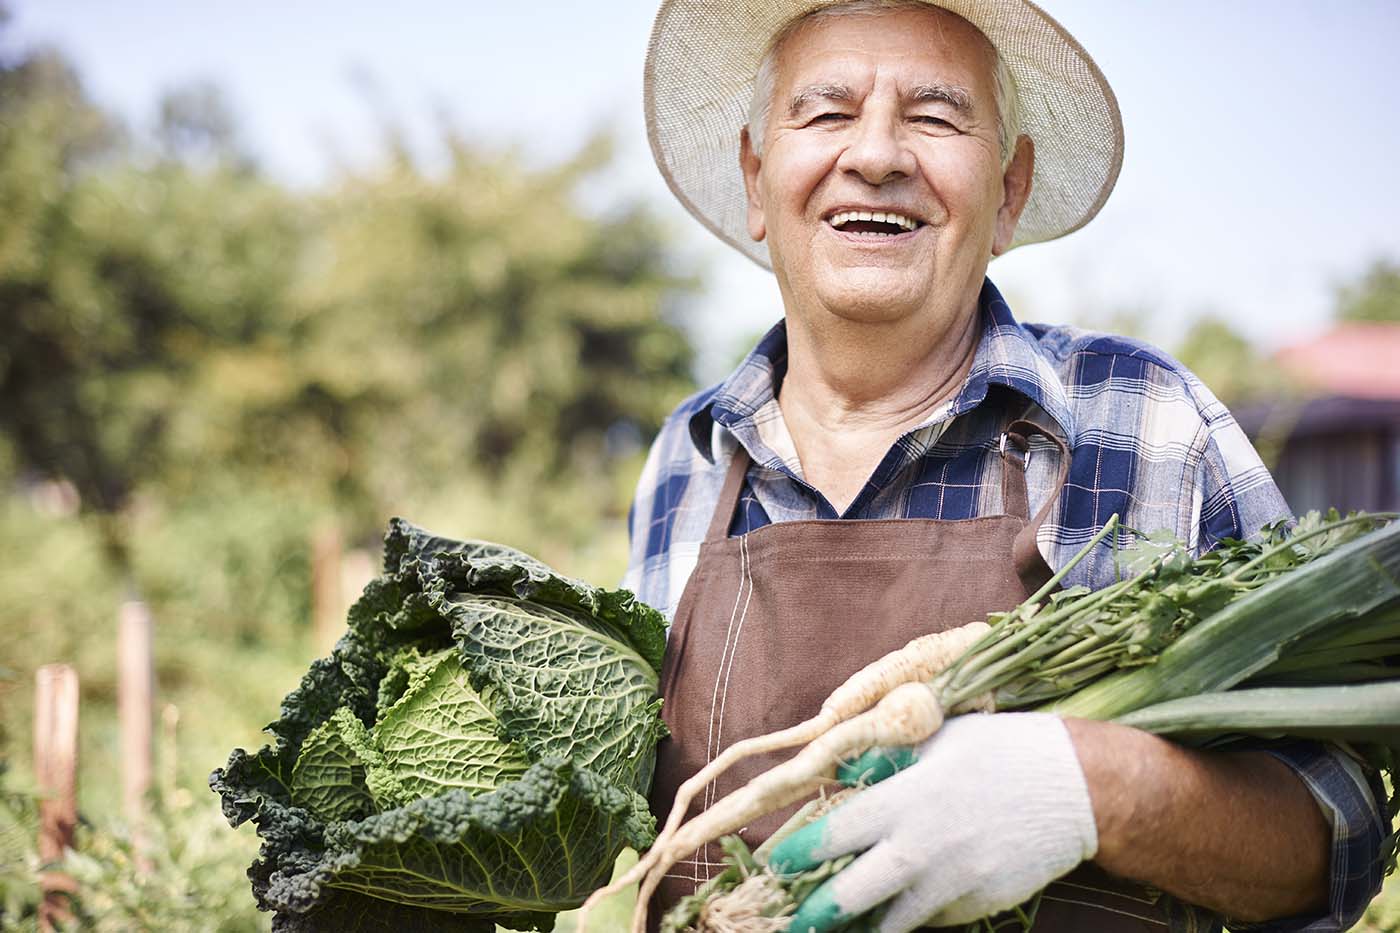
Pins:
x: 699, y: 80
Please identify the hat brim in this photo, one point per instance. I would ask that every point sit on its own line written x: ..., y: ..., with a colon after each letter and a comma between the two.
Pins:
x: 699, y: 79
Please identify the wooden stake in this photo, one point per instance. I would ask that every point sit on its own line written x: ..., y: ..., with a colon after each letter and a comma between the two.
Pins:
x: 56, y: 771
x: 135, y: 691
x: 327, y: 607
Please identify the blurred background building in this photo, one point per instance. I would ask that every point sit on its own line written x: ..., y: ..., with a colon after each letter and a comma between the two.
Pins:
x: 1336, y: 442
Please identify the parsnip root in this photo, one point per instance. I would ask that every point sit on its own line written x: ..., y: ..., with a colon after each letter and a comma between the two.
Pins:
x: 746, y: 908
x: 920, y: 660
x: 907, y: 715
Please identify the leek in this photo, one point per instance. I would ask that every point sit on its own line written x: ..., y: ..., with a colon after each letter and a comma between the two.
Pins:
x: 1351, y: 713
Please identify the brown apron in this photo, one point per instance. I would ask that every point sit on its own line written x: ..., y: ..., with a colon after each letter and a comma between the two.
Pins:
x: 772, y: 621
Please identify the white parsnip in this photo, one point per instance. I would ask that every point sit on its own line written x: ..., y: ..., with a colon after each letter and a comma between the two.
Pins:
x: 907, y: 715
x: 921, y: 660
x: 917, y: 662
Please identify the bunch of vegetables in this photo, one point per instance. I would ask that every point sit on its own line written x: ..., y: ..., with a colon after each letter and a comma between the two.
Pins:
x: 476, y: 750
x: 1296, y: 634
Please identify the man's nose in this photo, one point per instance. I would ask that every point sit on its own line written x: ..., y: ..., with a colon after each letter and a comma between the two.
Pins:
x: 878, y: 151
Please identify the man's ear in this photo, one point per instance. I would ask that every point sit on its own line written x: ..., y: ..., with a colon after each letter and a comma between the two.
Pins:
x: 749, y: 162
x: 1016, y: 185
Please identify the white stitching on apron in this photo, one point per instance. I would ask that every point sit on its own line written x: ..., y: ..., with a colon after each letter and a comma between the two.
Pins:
x: 719, y: 674
x: 1146, y: 897
x: 1105, y: 907
x: 738, y: 634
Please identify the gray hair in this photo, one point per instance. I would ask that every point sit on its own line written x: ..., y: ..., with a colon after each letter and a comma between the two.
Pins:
x: 761, y: 105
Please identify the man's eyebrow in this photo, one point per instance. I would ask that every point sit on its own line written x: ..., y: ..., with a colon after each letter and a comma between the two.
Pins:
x: 957, y: 97
x: 811, y: 92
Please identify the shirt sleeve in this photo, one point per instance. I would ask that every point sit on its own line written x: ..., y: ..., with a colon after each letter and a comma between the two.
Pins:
x: 1348, y: 798
x: 1235, y: 497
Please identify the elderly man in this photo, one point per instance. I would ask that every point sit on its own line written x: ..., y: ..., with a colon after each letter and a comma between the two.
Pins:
x: 901, y: 456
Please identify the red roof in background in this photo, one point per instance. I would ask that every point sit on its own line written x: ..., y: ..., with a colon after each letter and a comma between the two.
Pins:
x: 1358, y: 360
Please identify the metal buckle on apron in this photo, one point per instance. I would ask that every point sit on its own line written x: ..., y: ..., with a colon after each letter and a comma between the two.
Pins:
x: 1024, y: 454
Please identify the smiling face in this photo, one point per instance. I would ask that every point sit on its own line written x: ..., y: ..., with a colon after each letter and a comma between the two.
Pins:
x: 880, y: 188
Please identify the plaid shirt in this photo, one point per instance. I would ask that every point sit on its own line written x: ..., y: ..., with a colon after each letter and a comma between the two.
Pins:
x: 1147, y: 441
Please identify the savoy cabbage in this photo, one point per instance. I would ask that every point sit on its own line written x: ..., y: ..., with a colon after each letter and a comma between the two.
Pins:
x: 475, y: 751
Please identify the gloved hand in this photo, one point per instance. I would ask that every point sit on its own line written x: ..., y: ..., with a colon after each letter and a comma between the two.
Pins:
x: 993, y: 809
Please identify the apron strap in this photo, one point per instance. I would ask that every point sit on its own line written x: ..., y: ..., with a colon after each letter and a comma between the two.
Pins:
x: 1015, y: 452
x: 1015, y: 456
x: 729, y: 495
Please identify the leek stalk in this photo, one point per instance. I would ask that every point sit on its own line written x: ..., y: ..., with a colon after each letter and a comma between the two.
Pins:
x: 1358, y: 581
x: 1352, y: 713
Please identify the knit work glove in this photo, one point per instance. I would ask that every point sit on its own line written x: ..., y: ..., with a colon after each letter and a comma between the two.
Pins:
x: 993, y: 808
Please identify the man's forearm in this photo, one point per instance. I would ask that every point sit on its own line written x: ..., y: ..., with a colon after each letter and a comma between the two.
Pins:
x: 1237, y: 833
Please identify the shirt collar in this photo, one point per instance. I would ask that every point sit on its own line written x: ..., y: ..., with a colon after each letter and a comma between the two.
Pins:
x: 1007, y: 355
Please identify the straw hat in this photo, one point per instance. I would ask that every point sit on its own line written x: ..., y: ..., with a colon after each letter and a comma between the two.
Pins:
x: 699, y: 80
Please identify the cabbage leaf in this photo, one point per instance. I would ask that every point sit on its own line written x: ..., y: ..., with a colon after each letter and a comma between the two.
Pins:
x: 475, y: 751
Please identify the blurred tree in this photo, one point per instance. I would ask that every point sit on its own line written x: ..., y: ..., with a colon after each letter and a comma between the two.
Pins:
x: 1227, y: 362
x: 117, y: 282
x: 479, y: 319
x: 48, y: 129
x: 1374, y: 297
x: 180, y: 322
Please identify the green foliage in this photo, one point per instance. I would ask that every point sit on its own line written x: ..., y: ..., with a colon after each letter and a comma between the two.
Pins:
x: 1375, y: 297
x: 225, y: 576
x: 1228, y: 363
x: 226, y: 561
x: 202, y: 365
x: 196, y: 125
x: 117, y: 287
x: 1254, y: 605
x: 183, y: 876
x: 173, y: 316
x: 474, y: 751
x: 1069, y: 646
x: 19, y: 862
x: 480, y: 317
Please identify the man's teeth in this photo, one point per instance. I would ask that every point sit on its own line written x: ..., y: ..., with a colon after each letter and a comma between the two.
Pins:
x: 841, y: 218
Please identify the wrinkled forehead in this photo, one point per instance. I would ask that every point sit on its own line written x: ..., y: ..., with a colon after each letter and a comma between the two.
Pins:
x: 916, y: 38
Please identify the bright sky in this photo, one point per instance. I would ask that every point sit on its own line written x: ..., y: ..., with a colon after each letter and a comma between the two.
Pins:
x: 1261, y: 136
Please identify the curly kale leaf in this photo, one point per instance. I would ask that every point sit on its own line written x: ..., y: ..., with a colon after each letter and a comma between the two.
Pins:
x: 545, y: 841
x: 346, y: 912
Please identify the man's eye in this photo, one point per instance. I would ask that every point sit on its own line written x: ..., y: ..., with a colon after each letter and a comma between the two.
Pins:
x: 830, y: 117
x: 931, y: 120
